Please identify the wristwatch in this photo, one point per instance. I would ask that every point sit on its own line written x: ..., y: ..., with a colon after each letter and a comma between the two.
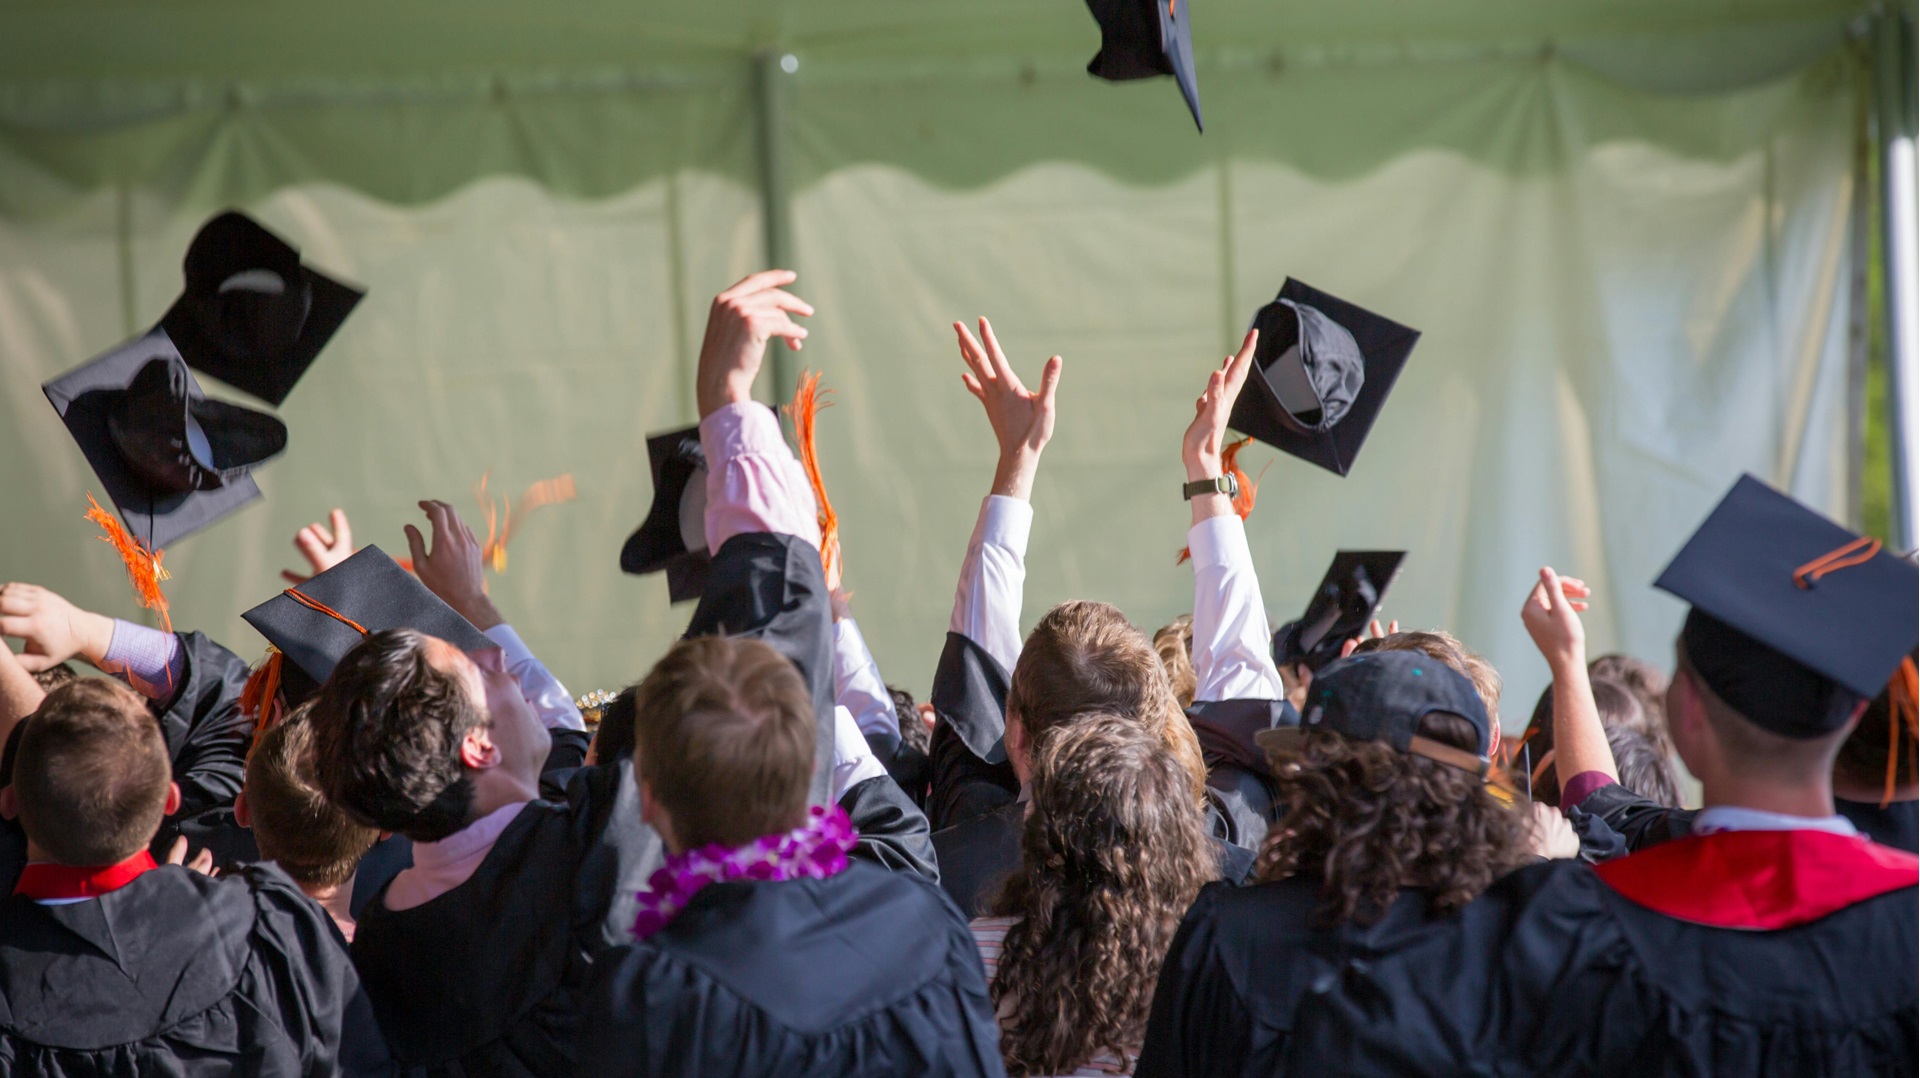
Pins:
x: 1219, y: 484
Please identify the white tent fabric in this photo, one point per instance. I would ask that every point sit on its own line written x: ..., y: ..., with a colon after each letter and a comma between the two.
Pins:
x: 1632, y: 290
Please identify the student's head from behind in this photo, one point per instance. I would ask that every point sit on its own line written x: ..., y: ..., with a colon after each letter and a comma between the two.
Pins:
x: 613, y: 741
x: 1624, y: 718
x: 725, y: 743
x: 414, y: 736
x: 1444, y: 647
x: 293, y: 823
x: 92, y: 779
x: 1174, y: 643
x: 1085, y: 657
x: 1883, y: 753
x: 1643, y: 764
x: 1647, y: 682
x: 1383, y: 788
x: 1113, y: 851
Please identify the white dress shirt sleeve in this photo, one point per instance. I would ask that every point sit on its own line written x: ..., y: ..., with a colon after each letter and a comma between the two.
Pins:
x: 1232, y: 646
x: 549, y: 698
x: 993, y: 579
x: 857, y: 684
x: 853, y: 760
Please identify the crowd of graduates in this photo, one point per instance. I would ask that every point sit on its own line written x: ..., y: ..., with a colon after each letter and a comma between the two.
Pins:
x: 399, y: 845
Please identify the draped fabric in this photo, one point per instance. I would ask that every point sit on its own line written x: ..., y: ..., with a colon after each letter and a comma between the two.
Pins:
x: 1625, y: 229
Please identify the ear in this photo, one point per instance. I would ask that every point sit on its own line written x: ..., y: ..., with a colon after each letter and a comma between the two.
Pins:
x: 242, y: 815
x: 173, y: 798
x: 1016, y: 736
x: 9, y: 805
x: 477, y: 750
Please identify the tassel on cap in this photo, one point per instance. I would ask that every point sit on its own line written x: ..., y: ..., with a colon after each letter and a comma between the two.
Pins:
x: 501, y: 518
x: 808, y: 399
x: 144, y: 570
x: 1903, y: 700
x: 1249, y: 487
x: 257, y: 699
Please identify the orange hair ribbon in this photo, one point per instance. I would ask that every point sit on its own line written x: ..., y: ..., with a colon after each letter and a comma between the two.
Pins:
x: 1903, y: 700
x: 1249, y: 487
x: 1858, y: 552
x: 143, y: 565
x: 808, y: 399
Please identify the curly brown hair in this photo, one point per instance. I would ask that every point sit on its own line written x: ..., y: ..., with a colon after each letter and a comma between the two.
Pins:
x: 1368, y: 820
x: 1113, y: 853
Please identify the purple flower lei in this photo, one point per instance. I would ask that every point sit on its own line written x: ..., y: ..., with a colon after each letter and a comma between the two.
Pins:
x: 816, y: 850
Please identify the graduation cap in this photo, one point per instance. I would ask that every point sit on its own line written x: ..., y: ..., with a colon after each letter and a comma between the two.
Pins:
x: 1347, y: 599
x: 1795, y: 619
x: 1322, y: 372
x: 171, y: 460
x: 251, y: 315
x: 316, y: 623
x: 673, y: 538
x: 1142, y: 39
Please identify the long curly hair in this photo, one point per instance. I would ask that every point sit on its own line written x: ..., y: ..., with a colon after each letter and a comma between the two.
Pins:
x: 1113, y: 852
x: 1368, y: 820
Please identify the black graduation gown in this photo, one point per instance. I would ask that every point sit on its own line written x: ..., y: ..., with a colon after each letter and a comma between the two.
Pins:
x: 178, y: 974
x: 1238, y: 778
x: 1251, y: 986
x: 970, y: 775
x: 1691, y: 960
x: 207, y: 736
x: 867, y: 973
x: 1641, y: 822
x: 976, y: 855
x: 1897, y: 825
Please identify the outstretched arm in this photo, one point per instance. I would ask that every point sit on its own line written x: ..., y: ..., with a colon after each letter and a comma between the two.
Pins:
x: 1552, y: 618
x: 1232, y: 650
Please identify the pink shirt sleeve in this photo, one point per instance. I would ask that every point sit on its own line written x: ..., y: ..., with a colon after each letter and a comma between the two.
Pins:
x: 754, y: 482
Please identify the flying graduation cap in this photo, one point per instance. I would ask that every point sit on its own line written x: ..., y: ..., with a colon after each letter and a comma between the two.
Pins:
x: 1322, y: 372
x: 251, y: 315
x: 1795, y: 619
x: 314, y: 624
x: 1347, y: 599
x: 1143, y: 39
x: 673, y: 537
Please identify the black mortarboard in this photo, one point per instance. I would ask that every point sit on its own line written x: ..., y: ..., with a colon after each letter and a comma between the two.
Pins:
x: 1795, y: 619
x: 1347, y: 599
x: 1382, y: 696
x: 673, y: 538
x: 251, y: 315
x: 171, y: 460
x: 1321, y: 374
x: 368, y: 589
x: 1142, y: 39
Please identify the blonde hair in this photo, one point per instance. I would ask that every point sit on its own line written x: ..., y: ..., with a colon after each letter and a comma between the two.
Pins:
x: 1174, y: 642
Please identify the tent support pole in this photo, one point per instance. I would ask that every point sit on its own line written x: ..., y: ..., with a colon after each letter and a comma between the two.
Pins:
x: 1894, y: 123
x: 772, y: 73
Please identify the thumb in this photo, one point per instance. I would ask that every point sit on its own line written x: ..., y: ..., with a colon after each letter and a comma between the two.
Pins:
x: 416, y: 546
x: 35, y: 664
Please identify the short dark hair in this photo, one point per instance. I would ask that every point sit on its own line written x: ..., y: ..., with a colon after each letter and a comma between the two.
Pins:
x: 914, y: 734
x: 1880, y: 740
x: 91, y: 774
x: 293, y: 823
x: 613, y: 740
x: 387, y: 731
x: 55, y: 676
x: 725, y: 740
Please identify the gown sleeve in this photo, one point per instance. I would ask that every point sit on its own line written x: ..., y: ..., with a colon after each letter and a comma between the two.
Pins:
x: 1199, y: 1025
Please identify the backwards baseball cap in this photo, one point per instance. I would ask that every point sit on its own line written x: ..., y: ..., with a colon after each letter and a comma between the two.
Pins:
x: 1347, y: 599
x: 1795, y: 619
x: 1382, y: 696
x: 1322, y: 372
x: 673, y: 538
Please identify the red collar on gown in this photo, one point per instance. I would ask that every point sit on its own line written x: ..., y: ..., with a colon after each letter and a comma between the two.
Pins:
x: 1760, y: 880
x: 44, y: 880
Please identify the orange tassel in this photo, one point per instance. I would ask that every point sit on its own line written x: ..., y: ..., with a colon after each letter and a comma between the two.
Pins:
x: 808, y: 399
x: 1903, y: 704
x: 143, y: 566
x: 263, y: 686
x: 1249, y: 487
x: 501, y: 519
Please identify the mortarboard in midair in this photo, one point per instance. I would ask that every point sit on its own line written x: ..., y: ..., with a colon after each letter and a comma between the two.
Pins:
x: 673, y: 537
x: 1795, y: 620
x: 316, y: 623
x: 1322, y: 372
x: 251, y: 315
x: 1347, y: 599
x: 1143, y: 39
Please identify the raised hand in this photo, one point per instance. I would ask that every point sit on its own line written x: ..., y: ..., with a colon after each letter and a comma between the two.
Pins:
x: 324, y: 547
x: 1206, y: 435
x: 1551, y: 615
x: 1022, y: 419
x: 53, y: 629
x: 451, y: 569
x: 739, y: 324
